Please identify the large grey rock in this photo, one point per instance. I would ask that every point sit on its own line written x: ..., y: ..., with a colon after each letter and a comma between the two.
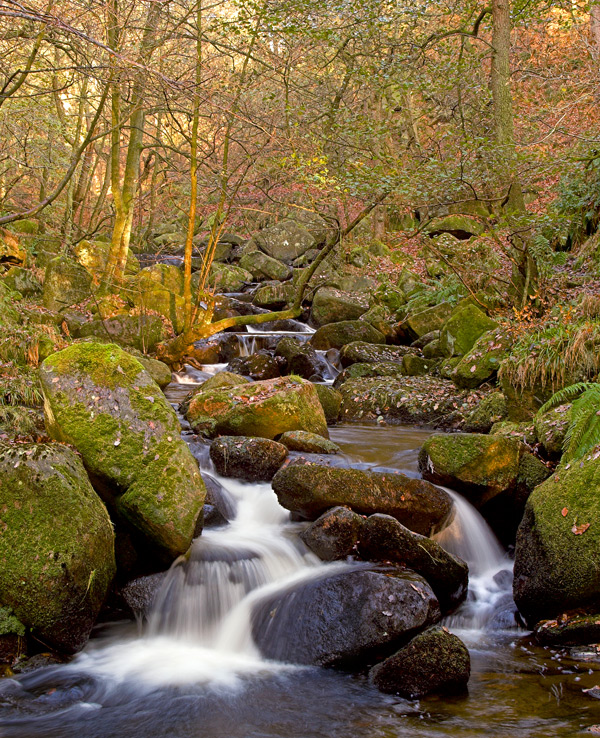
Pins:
x: 285, y: 241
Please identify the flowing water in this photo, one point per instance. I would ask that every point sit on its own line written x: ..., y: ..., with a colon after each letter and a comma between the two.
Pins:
x: 194, y: 672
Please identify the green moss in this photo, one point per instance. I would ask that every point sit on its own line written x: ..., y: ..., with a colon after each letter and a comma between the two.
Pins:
x: 9, y: 624
x: 492, y: 409
x: 331, y: 401
x: 463, y: 328
x: 106, y: 365
x: 483, y: 361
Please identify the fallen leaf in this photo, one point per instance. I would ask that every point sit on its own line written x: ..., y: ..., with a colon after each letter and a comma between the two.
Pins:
x: 564, y: 512
x: 579, y: 529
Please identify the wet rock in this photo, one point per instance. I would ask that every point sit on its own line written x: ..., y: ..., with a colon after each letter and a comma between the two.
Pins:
x: 383, y: 538
x: 569, y: 630
x: 312, y: 489
x: 285, y: 241
x: 331, y: 401
x: 102, y: 401
x: 251, y: 459
x: 343, y: 618
x: 140, y: 593
x: 331, y: 305
x: 371, y: 353
x: 301, y: 358
x: 336, y: 335
x: 56, y: 544
x: 219, y: 498
x: 265, y: 409
x: 259, y: 366
x: 310, y: 443
x: 334, y: 535
x: 556, y: 554
x: 462, y: 329
x: 435, y: 661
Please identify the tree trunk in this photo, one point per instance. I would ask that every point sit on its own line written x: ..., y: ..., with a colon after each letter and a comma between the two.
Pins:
x: 595, y: 29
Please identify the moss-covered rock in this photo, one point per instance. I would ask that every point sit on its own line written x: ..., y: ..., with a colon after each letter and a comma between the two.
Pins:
x: 311, y: 489
x: 524, y: 432
x: 285, y: 241
x: 482, y: 362
x: 252, y: 459
x: 142, y: 332
x: 523, y: 402
x: 274, y: 295
x: 263, y: 267
x: 23, y: 281
x: 479, y: 466
x: 336, y: 335
x: 556, y: 555
x: 66, y: 283
x: 491, y: 410
x: 223, y: 379
x: 459, y: 226
x: 551, y: 429
x: 364, y: 353
x: 462, y: 329
x: 331, y: 305
x: 57, y: 556
x: 417, y: 366
x: 158, y: 370
x: 365, y: 371
x: 331, y: 401
x: 301, y: 358
x: 93, y: 255
x: 265, y: 409
x: 569, y: 630
x: 434, y: 661
x: 425, y: 321
x: 226, y: 278
x: 309, y: 443
x: 102, y: 401
x: 335, y: 534
x: 11, y: 251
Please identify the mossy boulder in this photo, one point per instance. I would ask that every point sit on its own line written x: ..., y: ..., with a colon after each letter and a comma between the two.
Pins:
x: 459, y: 226
x: 311, y: 489
x: 476, y: 465
x: 366, y: 371
x: 23, y: 281
x: 11, y: 251
x: 331, y: 305
x: 425, y: 321
x: 462, y: 329
x: 331, y: 401
x: 363, y: 352
x: 482, y: 362
x: 159, y: 276
x: 556, y: 554
x: 274, y: 295
x: 417, y: 366
x: 226, y: 278
x: 263, y: 267
x: 434, y: 661
x: 524, y: 432
x: 491, y: 410
x: 159, y: 289
x: 224, y: 379
x: 260, y: 365
x: 264, y: 409
x: 336, y: 335
x: 93, y: 255
x: 383, y: 538
x: 158, y: 370
x: 66, y: 283
x: 309, y: 443
x: 301, y: 358
x: 285, y: 241
x: 251, y: 459
x: 551, y: 429
x: 57, y: 557
x: 142, y: 332
x: 102, y: 401
x: 523, y: 401
x: 569, y: 630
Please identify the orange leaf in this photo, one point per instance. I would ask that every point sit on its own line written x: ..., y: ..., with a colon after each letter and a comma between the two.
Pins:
x: 579, y: 529
x: 564, y: 512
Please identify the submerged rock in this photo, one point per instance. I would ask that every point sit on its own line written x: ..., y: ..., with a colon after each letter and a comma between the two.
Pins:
x: 57, y: 557
x: 343, y: 617
x: 265, y: 409
x: 383, y: 538
x: 434, y: 661
x: 311, y: 489
x: 101, y: 400
x: 252, y: 459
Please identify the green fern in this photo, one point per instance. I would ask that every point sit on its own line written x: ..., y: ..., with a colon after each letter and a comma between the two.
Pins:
x: 583, y: 432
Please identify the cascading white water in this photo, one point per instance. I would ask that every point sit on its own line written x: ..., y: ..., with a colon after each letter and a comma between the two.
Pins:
x: 490, y: 569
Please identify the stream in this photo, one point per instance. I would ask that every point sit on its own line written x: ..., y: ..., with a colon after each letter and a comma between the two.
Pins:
x: 192, y: 670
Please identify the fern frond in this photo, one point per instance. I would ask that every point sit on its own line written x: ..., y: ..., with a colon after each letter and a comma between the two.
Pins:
x: 567, y: 394
x: 584, y: 429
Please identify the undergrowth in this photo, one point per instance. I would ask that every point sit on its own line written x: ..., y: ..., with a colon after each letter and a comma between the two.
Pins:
x: 583, y: 431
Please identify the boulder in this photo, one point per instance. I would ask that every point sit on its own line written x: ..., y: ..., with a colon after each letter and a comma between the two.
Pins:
x: 265, y: 409
x: 139, y: 593
x: 263, y: 267
x: 158, y: 370
x: 260, y: 365
x: 462, y: 329
x: 551, y: 428
x: 11, y: 251
x: 23, y: 281
x: 142, y: 332
x: 569, y: 630
x: 334, y: 535
x: 311, y: 489
x: 309, y: 443
x: 251, y: 459
x: 102, y: 401
x: 416, y: 366
x: 343, y: 618
x: 371, y: 353
x: 481, y: 363
x: 93, y: 255
x: 274, y: 295
x: 435, y: 661
x: 66, y: 283
x: 307, y: 363
x: 331, y: 305
x: 56, y: 544
x: 227, y: 278
x: 336, y: 335
x: 491, y: 410
x: 426, y: 321
x: 285, y: 241
x: 331, y: 401
x: 383, y: 538
x: 368, y: 371
x: 223, y: 379
x: 166, y: 277
x: 524, y: 432
x: 556, y: 554
x: 459, y: 226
